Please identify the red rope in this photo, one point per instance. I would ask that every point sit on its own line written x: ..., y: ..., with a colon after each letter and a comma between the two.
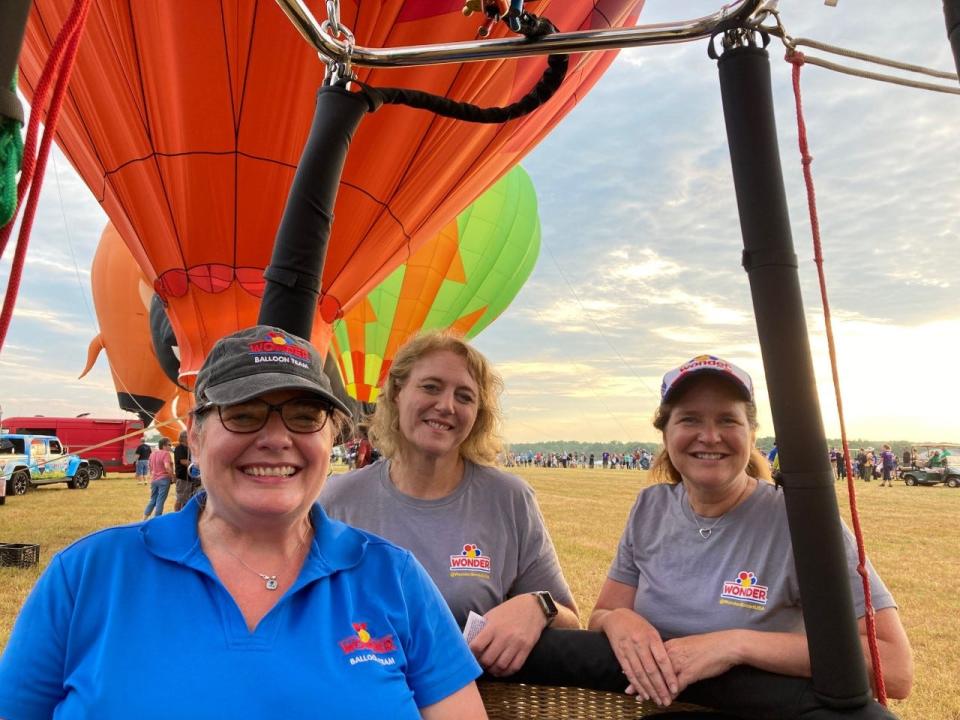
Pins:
x: 60, y: 65
x: 797, y: 59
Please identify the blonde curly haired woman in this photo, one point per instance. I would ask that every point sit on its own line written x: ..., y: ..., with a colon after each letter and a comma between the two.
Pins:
x: 477, y: 530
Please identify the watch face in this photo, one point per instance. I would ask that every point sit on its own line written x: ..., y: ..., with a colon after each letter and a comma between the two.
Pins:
x: 547, y: 603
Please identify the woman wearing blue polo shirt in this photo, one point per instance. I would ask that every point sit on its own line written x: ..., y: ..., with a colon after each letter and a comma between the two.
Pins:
x: 257, y: 604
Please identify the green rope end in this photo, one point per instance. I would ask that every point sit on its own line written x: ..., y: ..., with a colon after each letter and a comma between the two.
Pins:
x: 11, y: 160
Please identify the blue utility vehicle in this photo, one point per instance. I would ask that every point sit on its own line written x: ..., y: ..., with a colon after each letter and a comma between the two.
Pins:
x: 29, y: 460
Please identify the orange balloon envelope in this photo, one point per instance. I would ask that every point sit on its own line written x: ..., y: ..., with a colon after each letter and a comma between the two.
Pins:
x: 186, y: 120
x: 121, y: 296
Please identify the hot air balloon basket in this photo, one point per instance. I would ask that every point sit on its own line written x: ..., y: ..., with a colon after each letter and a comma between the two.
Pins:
x: 514, y: 701
x: 20, y: 555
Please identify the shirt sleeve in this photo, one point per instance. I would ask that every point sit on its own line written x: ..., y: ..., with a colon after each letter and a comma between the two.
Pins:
x: 439, y: 661
x: 33, y: 665
x: 623, y: 569
x: 539, y: 567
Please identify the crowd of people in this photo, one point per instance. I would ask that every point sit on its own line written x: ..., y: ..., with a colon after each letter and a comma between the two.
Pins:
x: 387, y: 590
x: 639, y: 459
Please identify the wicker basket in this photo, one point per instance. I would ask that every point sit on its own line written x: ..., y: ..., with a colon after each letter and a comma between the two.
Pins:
x: 514, y: 701
x: 20, y: 555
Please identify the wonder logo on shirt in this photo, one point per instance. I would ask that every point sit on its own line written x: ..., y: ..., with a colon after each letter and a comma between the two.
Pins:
x: 470, y: 562
x: 372, y: 648
x: 744, y: 592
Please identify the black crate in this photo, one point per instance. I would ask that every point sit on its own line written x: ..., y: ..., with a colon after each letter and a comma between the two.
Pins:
x: 22, y: 555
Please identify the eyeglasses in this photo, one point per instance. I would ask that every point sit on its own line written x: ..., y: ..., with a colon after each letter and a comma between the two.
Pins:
x: 299, y: 415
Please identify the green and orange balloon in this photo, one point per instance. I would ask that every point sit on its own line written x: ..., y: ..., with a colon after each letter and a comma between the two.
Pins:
x: 462, y: 279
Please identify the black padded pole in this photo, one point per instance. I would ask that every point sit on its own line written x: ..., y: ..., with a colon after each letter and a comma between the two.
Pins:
x: 839, y: 673
x: 296, y: 267
x: 951, y: 13
x: 13, y: 24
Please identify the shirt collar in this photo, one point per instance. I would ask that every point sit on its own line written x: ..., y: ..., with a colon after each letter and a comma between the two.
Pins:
x: 173, y: 536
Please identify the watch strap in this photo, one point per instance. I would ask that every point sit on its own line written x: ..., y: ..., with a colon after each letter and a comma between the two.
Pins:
x: 547, y: 605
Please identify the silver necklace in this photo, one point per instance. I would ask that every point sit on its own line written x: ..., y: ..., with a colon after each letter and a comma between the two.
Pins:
x: 270, y: 582
x: 706, y: 532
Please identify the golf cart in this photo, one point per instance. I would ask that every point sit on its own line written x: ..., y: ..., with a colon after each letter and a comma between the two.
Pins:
x: 934, y: 464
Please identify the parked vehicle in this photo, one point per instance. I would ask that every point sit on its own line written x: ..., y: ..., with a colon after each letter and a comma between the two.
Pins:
x: 109, y: 449
x: 946, y: 472
x: 27, y: 460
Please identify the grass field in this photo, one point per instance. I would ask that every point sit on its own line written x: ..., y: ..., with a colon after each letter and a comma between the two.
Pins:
x: 908, y: 532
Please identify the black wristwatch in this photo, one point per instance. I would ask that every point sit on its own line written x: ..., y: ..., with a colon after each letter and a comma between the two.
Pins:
x: 547, y: 604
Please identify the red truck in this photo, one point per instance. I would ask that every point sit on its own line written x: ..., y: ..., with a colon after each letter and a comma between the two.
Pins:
x: 112, y: 443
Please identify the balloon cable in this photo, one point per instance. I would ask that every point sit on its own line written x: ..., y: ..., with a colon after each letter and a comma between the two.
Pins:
x: 545, y: 88
x: 797, y: 59
x: 60, y: 63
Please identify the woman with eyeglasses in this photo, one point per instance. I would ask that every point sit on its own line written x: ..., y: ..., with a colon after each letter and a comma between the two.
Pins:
x: 275, y: 609
x: 704, y: 578
x: 477, y: 530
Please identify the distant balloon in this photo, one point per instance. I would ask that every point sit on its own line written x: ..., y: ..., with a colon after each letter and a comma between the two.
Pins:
x: 462, y: 279
x: 186, y: 120
x: 166, y: 422
x: 121, y: 297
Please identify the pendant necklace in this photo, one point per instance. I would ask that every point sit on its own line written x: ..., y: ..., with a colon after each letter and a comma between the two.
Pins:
x: 270, y: 582
x: 706, y: 532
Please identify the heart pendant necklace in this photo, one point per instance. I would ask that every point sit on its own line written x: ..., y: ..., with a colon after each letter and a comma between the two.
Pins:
x: 706, y: 532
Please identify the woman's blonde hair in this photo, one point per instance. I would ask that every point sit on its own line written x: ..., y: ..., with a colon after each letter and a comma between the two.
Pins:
x: 484, y: 441
x: 663, y: 470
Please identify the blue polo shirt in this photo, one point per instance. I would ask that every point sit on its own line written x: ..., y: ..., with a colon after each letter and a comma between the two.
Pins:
x: 132, y: 622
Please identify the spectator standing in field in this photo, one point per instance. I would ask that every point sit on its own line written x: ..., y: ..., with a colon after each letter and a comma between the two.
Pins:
x: 841, y: 466
x: 161, y: 474
x: 773, y: 457
x: 143, y: 462
x: 181, y: 463
x: 862, y: 465
x: 869, y: 465
x: 888, y: 462
x: 908, y: 458
x: 364, y: 449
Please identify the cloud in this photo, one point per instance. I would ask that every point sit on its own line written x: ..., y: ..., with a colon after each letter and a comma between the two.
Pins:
x: 56, y: 320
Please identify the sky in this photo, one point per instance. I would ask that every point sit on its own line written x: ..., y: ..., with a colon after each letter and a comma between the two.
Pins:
x: 639, y: 267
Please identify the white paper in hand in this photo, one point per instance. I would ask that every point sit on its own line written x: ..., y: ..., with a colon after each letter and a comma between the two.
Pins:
x: 475, y: 623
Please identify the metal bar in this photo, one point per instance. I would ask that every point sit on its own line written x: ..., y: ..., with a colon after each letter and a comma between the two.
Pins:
x: 737, y: 13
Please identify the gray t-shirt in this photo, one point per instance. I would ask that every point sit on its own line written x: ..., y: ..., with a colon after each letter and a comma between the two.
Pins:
x: 741, y: 576
x: 482, y: 544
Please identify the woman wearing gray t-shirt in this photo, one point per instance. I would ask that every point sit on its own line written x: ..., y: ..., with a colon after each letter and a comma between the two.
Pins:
x: 704, y: 578
x: 477, y: 530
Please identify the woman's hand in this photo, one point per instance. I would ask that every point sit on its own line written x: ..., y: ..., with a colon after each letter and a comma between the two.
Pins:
x: 512, y: 629
x: 697, y: 657
x: 641, y: 654
x: 635, y: 642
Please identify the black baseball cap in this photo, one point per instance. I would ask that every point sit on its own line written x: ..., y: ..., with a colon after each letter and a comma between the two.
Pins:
x: 258, y: 360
